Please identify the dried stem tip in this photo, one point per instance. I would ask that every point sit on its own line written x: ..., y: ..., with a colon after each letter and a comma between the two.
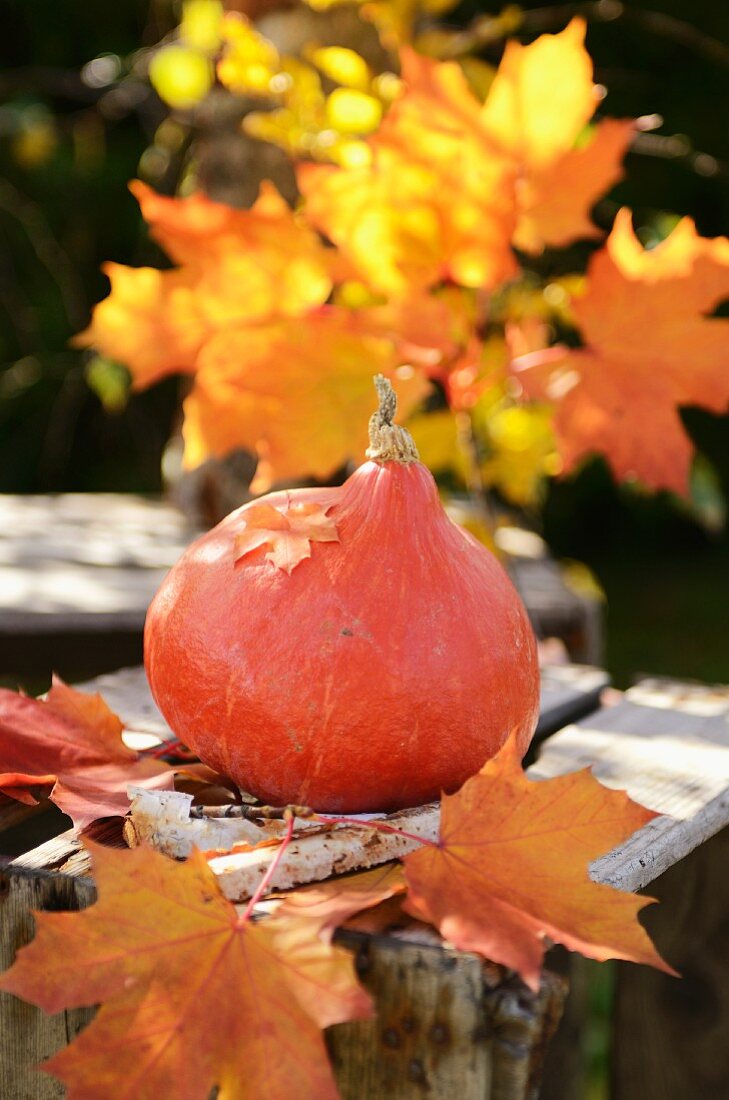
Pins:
x: 389, y: 442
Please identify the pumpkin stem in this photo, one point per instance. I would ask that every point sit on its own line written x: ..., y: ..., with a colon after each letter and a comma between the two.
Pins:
x: 389, y: 442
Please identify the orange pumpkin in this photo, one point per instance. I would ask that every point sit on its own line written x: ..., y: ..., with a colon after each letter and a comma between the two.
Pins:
x: 350, y: 649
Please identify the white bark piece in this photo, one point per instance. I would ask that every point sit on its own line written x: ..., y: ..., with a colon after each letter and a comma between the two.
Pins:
x: 162, y: 819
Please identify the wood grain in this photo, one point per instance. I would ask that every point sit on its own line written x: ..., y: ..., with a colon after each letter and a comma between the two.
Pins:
x: 447, y: 1025
x: 27, y: 1035
x: 669, y: 748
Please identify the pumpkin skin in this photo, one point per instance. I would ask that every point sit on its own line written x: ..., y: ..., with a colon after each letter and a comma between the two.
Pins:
x: 383, y: 670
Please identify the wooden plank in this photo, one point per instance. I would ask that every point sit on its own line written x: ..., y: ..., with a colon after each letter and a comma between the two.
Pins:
x: 667, y: 743
x: 669, y: 748
x: 567, y: 692
x: 429, y: 1036
x: 77, y: 573
x: 78, y: 558
x: 29, y: 1036
x: 670, y: 1036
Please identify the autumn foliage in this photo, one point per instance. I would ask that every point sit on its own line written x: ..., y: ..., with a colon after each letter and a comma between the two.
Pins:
x: 409, y: 254
x: 196, y: 992
x: 70, y: 749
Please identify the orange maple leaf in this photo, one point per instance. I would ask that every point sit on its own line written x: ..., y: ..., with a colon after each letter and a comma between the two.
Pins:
x: 71, y: 742
x: 328, y: 905
x: 151, y: 322
x: 650, y: 347
x: 277, y: 372
x: 451, y: 183
x: 288, y: 532
x: 541, y: 99
x: 193, y: 996
x: 298, y: 393
x: 237, y: 267
x: 556, y: 201
x: 510, y: 869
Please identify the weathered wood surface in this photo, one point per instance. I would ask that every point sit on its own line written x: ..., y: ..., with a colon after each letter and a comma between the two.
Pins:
x: 27, y: 1035
x: 671, y: 1036
x: 77, y: 573
x: 84, y: 560
x: 446, y: 1026
x: 667, y: 744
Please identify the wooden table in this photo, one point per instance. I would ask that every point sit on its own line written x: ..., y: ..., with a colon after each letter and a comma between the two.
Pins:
x: 668, y: 744
x: 78, y: 571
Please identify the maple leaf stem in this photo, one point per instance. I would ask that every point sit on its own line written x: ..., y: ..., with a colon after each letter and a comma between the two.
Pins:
x: 263, y: 884
x: 171, y: 747
x: 379, y: 826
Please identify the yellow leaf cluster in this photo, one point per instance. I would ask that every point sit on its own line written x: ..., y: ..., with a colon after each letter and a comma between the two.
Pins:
x: 306, y: 119
x: 451, y: 184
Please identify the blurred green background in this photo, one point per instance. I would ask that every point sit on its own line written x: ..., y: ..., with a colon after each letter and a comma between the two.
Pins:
x: 76, y: 117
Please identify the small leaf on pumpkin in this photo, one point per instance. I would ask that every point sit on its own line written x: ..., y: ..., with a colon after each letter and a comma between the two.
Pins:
x: 72, y: 741
x: 510, y: 871
x: 288, y: 533
x: 192, y: 996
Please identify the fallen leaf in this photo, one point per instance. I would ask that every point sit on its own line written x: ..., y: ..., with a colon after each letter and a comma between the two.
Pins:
x: 192, y: 996
x: 288, y: 532
x: 328, y: 905
x: 649, y: 347
x: 510, y: 870
x: 298, y: 393
x: 72, y: 741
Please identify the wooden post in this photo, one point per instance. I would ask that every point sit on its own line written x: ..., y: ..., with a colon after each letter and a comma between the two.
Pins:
x: 27, y: 1035
x: 670, y: 1038
x: 446, y: 1023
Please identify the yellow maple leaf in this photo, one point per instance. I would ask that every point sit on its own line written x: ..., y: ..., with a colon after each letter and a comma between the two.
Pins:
x: 296, y: 392
x: 435, y: 200
x: 539, y: 103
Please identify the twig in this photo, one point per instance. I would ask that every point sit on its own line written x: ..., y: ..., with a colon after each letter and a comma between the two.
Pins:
x: 263, y: 884
x: 488, y: 29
